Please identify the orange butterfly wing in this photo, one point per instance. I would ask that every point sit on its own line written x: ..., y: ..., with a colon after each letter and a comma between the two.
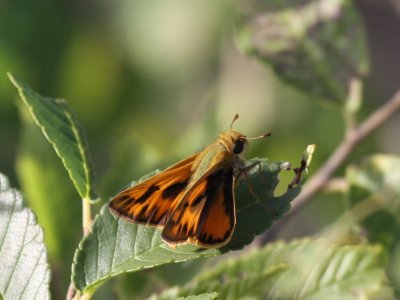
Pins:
x: 153, y: 200
x: 206, y: 214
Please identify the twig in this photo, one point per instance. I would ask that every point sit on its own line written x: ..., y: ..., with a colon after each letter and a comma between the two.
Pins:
x: 86, y: 224
x: 353, y: 137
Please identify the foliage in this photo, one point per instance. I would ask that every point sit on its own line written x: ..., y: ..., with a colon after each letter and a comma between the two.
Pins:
x: 303, y: 269
x: 316, y: 41
x: 352, y: 247
x: 23, y: 255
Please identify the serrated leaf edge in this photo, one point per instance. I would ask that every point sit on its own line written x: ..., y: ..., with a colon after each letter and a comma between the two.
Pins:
x: 82, y: 146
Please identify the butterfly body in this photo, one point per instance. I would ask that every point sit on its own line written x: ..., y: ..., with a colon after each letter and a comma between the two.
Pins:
x: 193, y: 200
x: 219, y: 154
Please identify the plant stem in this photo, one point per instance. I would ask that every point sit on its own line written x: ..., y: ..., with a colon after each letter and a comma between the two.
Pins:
x: 353, y: 137
x: 353, y: 103
x: 86, y: 216
x: 86, y: 224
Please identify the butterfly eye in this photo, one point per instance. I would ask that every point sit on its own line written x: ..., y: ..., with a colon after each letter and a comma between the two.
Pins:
x: 238, y: 147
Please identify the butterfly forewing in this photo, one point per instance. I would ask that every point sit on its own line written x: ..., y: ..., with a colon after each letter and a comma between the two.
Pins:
x: 151, y: 201
x: 206, y: 214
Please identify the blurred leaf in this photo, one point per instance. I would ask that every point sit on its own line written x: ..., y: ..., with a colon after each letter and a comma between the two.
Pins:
x: 375, y: 183
x: 140, y: 285
x: 60, y: 127
x: 302, y: 269
x: 205, y: 296
x: 115, y: 246
x: 23, y: 255
x: 376, y: 179
x: 318, y: 46
x: 173, y: 294
x: 239, y: 287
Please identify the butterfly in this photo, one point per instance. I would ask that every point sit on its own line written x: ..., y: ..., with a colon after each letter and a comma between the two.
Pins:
x: 193, y: 201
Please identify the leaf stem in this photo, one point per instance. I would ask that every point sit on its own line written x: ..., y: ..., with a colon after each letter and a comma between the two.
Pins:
x: 86, y: 216
x: 86, y: 225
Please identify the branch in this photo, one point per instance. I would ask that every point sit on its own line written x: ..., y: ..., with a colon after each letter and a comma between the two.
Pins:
x: 353, y: 137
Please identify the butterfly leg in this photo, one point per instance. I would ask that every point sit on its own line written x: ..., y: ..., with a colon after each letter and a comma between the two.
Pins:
x: 250, y: 187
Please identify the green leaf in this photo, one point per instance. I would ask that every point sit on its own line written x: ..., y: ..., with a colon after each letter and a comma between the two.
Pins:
x: 302, y: 269
x: 375, y: 197
x: 140, y: 285
x: 317, y: 46
x: 62, y: 130
x: 115, y: 246
x: 23, y: 255
x: 376, y: 180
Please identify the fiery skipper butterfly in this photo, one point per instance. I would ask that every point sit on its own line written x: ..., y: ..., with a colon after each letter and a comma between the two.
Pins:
x: 192, y: 201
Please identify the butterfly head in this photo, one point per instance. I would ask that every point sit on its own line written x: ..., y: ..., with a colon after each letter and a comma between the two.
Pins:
x: 236, y: 142
x: 233, y: 141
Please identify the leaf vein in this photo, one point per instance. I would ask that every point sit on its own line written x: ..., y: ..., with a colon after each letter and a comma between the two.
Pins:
x: 18, y: 257
x: 9, y: 220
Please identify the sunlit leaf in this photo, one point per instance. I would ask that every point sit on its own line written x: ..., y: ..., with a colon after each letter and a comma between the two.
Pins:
x: 23, y: 255
x: 61, y: 129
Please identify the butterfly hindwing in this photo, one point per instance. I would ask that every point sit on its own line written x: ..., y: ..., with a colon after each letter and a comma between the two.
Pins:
x: 206, y: 214
x: 151, y: 201
x: 218, y: 218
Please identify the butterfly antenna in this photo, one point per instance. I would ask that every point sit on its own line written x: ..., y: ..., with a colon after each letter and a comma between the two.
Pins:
x: 235, y: 117
x: 260, y: 137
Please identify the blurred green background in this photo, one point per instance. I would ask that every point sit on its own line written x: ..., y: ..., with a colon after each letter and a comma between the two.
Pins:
x: 153, y: 82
